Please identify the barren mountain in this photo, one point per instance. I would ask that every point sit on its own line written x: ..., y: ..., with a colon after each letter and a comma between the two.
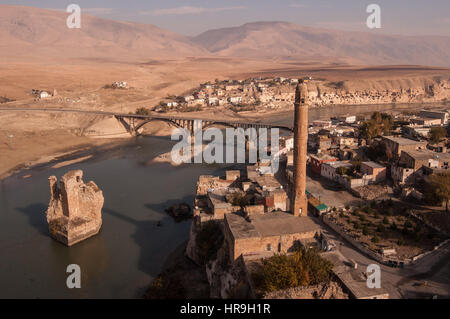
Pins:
x: 282, y: 39
x: 33, y: 32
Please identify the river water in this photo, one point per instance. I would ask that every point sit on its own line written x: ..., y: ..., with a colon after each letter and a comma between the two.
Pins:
x: 131, y: 249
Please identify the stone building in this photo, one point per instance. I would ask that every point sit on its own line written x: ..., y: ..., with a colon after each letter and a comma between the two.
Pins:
x: 267, y: 234
x: 395, y: 145
x: 377, y: 171
x: 443, y: 116
x: 316, y: 161
x: 417, y: 159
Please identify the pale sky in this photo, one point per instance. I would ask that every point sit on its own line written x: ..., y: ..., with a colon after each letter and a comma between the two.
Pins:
x: 191, y: 17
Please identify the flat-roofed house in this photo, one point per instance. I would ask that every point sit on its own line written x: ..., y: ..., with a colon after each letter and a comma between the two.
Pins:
x: 430, y: 159
x: 398, y: 144
x: 442, y: 115
x: 329, y: 170
x: 317, y: 161
x: 376, y: 170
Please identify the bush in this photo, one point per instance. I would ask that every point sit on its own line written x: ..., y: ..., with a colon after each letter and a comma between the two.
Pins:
x: 385, y: 221
x: 407, y: 224
x: 209, y: 239
x: 240, y: 199
x: 381, y: 228
x: 394, y: 226
x: 400, y: 242
x: 375, y: 239
x: 390, y: 212
x: 142, y: 111
x: 365, y: 231
x: 356, y: 225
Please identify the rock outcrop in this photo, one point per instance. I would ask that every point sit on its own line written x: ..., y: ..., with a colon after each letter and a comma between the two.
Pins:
x: 75, y: 209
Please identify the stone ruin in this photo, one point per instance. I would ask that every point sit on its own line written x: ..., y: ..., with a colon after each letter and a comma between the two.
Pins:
x: 75, y: 209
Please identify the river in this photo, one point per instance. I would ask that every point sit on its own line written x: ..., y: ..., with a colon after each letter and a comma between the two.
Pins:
x: 130, y: 250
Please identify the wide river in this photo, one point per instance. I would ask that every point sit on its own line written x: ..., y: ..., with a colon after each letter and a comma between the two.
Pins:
x: 131, y: 249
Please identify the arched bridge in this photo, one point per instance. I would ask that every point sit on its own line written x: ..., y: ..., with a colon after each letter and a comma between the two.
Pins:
x: 133, y: 123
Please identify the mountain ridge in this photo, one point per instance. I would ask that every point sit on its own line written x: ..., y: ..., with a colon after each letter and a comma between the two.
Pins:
x: 278, y: 39
x: 27, y: 32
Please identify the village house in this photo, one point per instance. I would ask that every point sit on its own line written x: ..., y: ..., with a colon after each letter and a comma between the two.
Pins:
x: 212, y: 101
x: 232, y: 87
x: 377, y: 171
x: 430, y: 159
x: 347, y: 118
x: 413, y: 131
x: 235, y: 99
x: 188, y: 98
x: 316, y: 162
x: 329, y: 169
x: 396, y: 145
x: 426, y: 121
x: 44, y: 95
x: 345, y: 141
x: 319, y: 141
x: 321, y: 123
x: 443, y: 116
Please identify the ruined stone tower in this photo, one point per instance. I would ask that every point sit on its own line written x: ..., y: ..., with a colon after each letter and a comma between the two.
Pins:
x: 75, y: 209
x: 299, y: 202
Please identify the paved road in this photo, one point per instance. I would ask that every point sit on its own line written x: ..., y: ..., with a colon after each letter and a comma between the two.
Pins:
x: 406, y: 282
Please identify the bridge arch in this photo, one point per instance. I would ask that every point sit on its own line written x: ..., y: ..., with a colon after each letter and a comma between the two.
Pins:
x: 214, y: 123
x: 145, y: 122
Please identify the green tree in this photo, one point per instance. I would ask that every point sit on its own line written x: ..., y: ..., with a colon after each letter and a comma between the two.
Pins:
x: 437, y: 189
x: 142, y: 111
x: 437, y: 134
x: 378, y: 124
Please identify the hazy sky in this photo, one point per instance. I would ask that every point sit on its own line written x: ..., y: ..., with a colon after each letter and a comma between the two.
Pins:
x: 191, y: 17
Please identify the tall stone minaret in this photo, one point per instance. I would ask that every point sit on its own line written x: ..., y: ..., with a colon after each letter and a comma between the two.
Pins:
x: 299, y: 202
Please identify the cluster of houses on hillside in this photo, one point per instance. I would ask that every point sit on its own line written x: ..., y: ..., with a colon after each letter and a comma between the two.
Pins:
x: 337, y: 151
x: 270, y: 92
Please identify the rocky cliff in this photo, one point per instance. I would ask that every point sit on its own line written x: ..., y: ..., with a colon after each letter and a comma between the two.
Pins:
x: 75, y: 209
x: 413, y: 90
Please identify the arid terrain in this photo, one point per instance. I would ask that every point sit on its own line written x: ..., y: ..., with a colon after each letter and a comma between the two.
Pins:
x: 39, y: 52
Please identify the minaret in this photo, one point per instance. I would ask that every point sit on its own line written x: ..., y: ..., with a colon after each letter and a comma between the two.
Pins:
x: 299, y: 202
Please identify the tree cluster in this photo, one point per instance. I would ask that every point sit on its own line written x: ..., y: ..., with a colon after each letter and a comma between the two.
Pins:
x: 303, y: 268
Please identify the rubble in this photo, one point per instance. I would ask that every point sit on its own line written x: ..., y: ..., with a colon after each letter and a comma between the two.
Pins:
x: 179, y: 212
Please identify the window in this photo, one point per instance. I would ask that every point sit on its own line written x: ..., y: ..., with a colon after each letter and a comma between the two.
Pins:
x: 279, y: 247
x: 269, y: 247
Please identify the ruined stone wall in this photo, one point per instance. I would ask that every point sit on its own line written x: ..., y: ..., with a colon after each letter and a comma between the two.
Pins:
x: 260, y: 245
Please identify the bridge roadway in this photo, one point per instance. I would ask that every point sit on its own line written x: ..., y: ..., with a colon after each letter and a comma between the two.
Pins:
x: 135, y: 121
